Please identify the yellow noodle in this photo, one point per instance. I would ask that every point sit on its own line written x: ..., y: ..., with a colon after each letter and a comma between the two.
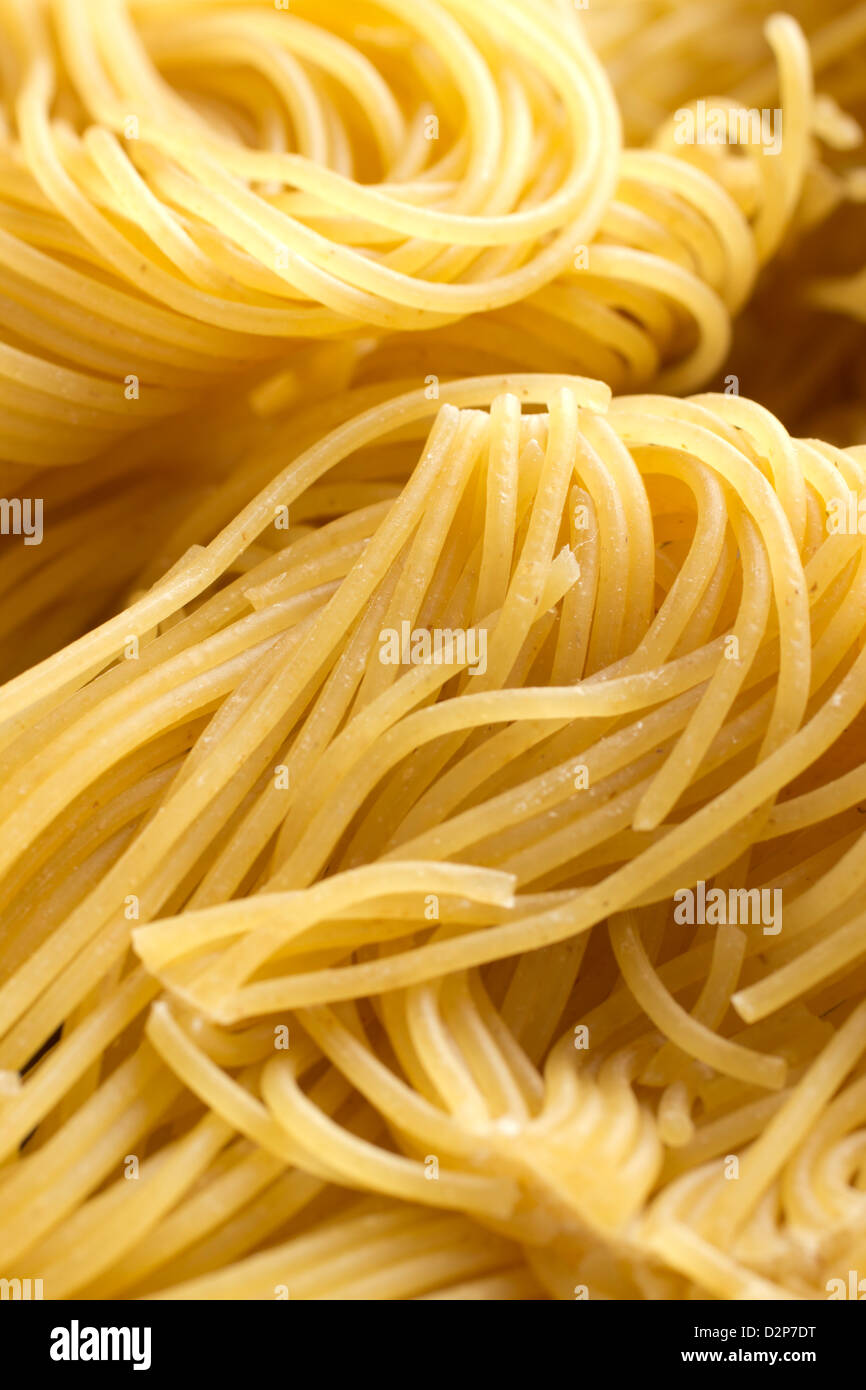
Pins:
x: 309, y: 921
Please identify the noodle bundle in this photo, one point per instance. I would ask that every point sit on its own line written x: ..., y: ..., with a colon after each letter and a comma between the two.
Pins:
x: 190, y: 190
x: 661, y: 54
x: 664, y: 56
x: 445, y: 880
